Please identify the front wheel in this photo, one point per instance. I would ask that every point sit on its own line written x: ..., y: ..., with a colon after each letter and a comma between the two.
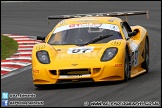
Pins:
x: 40, y: 86
x: 126, y: 67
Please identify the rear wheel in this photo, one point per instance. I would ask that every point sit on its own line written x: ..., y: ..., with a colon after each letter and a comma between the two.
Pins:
x: 145, y: 64
x: 126, y: 67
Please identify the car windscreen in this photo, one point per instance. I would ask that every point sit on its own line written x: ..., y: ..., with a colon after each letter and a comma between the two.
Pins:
x: 74, y: 35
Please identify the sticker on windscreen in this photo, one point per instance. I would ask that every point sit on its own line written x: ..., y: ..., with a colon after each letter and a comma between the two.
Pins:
x: 114, y: 27
x: 84, y: 25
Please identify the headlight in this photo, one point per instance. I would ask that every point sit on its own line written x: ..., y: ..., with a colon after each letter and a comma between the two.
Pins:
x: 43, y: 57
x: 109, y: 54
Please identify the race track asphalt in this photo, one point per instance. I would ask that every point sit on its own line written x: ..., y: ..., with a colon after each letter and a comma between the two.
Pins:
x: 30, y: 18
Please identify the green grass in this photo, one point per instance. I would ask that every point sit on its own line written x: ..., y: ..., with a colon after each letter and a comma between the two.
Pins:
x: 8, y: 47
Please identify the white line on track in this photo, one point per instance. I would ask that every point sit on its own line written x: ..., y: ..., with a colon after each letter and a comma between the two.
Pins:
x: 8, y: 68
x: 20, y: 58
x: 25, y: 49
x: 23, y: 39
x: 6, y: 34
x: 18, y: 36
x: 28, y: 42
x: 25, y: 45
x: 18, y: 1
x: 22, y: 53
x: 15, y: 72
x: 16, y: 63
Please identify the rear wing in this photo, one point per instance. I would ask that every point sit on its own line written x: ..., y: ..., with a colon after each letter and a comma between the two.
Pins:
x: 111, y: 14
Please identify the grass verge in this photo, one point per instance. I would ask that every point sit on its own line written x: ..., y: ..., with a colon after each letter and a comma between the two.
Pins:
x: 8, y: 47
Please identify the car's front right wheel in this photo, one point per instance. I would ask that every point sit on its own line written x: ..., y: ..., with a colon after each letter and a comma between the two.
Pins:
x: 126, y: 67
x: 40, y: 85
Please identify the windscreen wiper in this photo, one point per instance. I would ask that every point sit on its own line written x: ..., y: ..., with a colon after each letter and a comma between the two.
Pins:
x: 95, y: 40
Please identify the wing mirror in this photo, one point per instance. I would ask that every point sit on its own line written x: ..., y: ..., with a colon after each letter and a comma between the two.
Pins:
x: 41, y: 38
x: 130, y: 34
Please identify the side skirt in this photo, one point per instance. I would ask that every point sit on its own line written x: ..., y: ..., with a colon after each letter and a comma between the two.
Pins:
x: 137, y: 71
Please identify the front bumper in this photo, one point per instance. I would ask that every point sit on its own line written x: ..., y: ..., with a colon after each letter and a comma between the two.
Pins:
x: 94, y: 73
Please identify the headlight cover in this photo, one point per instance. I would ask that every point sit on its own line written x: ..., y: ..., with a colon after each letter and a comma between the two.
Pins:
x: 43, y: 57
x: 109, y: 54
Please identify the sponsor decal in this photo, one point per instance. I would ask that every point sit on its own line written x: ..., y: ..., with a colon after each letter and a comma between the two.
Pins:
x: 78, y: 50
x: 134, y: 54
x: 114, y: 27
x: 84, y: 25
x: 133, y: 46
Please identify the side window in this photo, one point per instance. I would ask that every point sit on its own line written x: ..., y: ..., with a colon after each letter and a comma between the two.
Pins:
x: 125, y: 32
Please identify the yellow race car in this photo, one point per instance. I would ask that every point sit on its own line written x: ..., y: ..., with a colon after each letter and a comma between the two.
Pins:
x: 91, y: 47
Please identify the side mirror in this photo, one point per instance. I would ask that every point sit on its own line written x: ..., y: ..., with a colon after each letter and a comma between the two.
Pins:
x: 41, y: 38
x: 130, y: 34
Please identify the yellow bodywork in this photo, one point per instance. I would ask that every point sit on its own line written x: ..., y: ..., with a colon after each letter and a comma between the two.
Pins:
x: 86, y: 66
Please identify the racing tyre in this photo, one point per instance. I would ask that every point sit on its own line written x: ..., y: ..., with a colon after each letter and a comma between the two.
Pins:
x: 145, y: 64
x: 39, y: 86
x: 126, y: 67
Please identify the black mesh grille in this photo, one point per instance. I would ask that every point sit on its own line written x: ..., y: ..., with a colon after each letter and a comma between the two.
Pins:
x: 74, y: 71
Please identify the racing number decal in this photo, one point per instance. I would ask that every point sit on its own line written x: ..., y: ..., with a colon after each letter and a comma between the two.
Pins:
x: 80, y: 50
x: 40, y: 47
x: 75, y: 50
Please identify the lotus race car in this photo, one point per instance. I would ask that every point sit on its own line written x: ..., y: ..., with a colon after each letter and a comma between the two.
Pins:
x: 91, y: 47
